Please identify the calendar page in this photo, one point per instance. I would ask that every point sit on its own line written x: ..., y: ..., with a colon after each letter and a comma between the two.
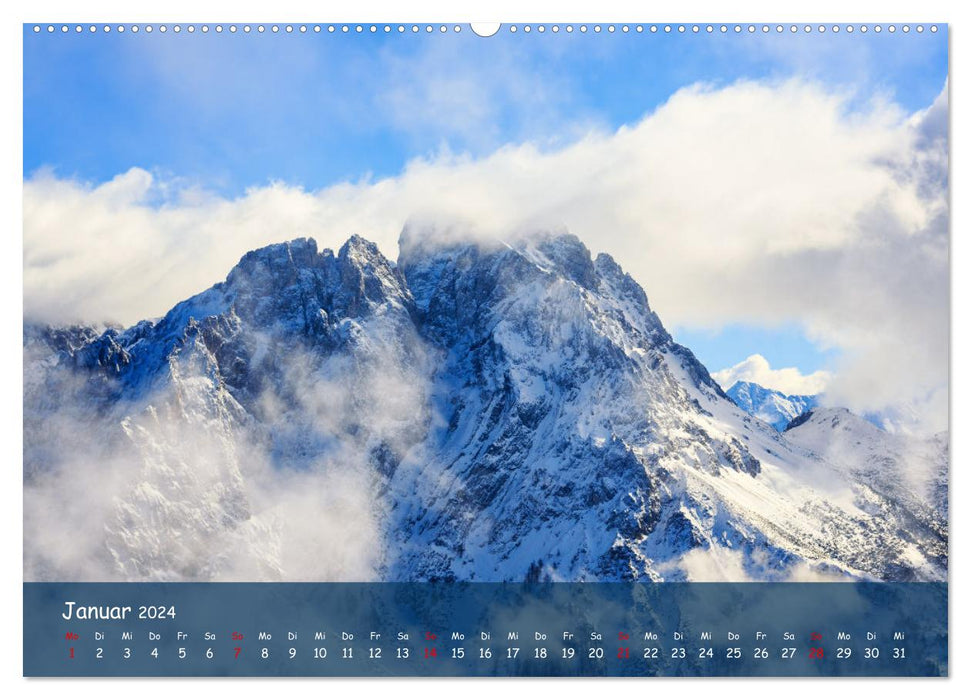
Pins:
x: 544, y: 349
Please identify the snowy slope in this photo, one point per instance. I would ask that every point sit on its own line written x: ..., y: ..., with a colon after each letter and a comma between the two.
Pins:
x: 773, y: 407
x: 905, y: 474
x: 477, y: 411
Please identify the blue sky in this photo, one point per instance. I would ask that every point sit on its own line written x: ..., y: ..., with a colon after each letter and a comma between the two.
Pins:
x: 784, y: 346
x: 227, y: 112
x: 235, y: 110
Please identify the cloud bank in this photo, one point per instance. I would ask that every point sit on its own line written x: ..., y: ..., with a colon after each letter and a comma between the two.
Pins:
x: 788, y: 380
x: 756, y: 203
x: 182, y: 484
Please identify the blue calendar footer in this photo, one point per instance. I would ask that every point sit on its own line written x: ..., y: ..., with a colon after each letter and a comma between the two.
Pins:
x: 470, y: 629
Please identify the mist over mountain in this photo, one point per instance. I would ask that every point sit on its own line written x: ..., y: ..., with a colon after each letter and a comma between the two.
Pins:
x: 480, y: 411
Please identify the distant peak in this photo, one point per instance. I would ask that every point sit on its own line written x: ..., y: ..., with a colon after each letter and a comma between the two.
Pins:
x: 743, y: 384
x: 745, y: 387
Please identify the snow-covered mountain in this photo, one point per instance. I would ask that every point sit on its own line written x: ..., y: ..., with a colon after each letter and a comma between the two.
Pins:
x: 476, y: 411
x: 905, y: 474
x: 773, y: 407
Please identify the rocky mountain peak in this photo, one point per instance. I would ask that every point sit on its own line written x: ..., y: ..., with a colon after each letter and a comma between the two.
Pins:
x: 504, y: 409
x: 277, y: 261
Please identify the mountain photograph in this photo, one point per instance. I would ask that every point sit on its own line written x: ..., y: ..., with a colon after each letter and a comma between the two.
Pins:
x: 564, y: 303
x: 474, y: 411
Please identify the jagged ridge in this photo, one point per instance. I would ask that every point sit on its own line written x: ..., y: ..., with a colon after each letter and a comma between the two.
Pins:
x: 491, y: 404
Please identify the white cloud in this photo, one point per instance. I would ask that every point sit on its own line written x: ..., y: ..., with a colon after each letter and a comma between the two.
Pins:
x: 715, y: 564
x: 172, y: 486
x: 476, y: 96
x: 720, y: 564
x: 804, y: 572
x: 788, y: 380
x: 756, y: 203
